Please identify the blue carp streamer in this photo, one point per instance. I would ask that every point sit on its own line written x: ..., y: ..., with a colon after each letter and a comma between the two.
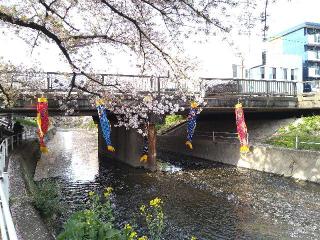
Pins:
x: 104, y: 124
x: 192, y: 123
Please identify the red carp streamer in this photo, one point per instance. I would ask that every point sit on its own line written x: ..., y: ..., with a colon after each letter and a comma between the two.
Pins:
x: 241, y: 129
x: 42, y: 121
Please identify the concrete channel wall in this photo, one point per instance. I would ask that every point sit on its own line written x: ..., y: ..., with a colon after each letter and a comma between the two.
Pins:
x: 128, y: 145
x: 26, y: 218
x: 299, y: 164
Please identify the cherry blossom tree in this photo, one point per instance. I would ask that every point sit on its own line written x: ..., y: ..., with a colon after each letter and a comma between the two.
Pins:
x: 152, y: 32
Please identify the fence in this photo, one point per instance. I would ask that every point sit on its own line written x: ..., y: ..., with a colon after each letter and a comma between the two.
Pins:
x: 7, y: 145
x: 218, y: 136
x: 298, y: 142
x: 214, y: 86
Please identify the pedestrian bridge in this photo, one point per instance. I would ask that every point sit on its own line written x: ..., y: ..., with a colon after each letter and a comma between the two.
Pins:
x: 220, y: 94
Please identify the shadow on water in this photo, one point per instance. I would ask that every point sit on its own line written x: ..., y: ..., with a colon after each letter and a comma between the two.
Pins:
x: 206, y: 199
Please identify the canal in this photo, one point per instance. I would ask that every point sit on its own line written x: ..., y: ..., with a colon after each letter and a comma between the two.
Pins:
x: 204, y: 199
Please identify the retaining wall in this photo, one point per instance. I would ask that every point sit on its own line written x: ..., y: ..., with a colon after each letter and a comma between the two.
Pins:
x: 26, y: 218
x: 299, y: 164
x: 128, y: 145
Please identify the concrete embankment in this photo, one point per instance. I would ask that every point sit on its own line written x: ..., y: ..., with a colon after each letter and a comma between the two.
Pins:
x: 21, y: 169
x: 27, y: 220
x: 299, y: 164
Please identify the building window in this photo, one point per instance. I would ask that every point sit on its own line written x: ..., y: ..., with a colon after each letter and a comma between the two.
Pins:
x: 316, y: 38
x: 234, y: 71
x: 247, y: 74
x: 317, y: 54
x: 317, y: 70
x: 274, y: 73
x: 292, y: 74
x: 285, y: 73
x: 262, y: 72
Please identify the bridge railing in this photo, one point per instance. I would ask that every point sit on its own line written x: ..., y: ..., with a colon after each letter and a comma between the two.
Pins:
x: 216, y: 86
x: 55, y: 81
x: 6, y: 146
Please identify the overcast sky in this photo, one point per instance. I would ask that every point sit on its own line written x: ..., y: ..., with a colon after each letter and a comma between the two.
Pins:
x: 215, y: 57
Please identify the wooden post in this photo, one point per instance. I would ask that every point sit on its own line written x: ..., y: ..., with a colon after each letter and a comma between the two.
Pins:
x: 297, y: 142
x: 152, y: 144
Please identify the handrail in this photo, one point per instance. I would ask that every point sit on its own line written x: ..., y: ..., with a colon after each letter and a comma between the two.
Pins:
x: 8, y: 231
x: 252, y: 87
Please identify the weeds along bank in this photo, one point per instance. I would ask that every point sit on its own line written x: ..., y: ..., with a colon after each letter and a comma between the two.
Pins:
x: 304, y: 133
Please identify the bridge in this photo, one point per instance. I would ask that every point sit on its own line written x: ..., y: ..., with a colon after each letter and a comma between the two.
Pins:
x: 257, y: 96
x: 220, y: 94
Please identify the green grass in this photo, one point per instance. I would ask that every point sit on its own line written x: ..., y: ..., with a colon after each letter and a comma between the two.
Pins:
x: 29, y: 122
x: 46, y: 198
x: 170, y: 121
x: 307, y: 129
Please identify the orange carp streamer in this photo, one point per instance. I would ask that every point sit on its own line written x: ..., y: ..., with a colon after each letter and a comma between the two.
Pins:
x: 43, y: 122
x: 241, y: 129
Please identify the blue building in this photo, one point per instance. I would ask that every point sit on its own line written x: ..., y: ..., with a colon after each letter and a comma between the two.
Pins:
x: 303, y: 41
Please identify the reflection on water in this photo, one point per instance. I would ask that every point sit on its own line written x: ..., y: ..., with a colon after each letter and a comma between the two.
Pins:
x: 205, y: 199
x: 72, y: 155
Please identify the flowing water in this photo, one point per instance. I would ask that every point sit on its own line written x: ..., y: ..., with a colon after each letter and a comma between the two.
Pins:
x: 204, y: 199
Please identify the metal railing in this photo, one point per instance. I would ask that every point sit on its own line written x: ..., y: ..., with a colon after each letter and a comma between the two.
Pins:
x: 218, y: 136
x: 61, y: 82
x: 215, y: 86
x: 7, y: 145
x: 298, y: 142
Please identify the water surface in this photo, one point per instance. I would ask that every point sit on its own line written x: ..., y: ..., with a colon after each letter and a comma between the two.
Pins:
x: 205, y: 199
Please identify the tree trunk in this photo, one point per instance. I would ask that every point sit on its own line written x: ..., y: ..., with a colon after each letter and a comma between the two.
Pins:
x: 152, y: 144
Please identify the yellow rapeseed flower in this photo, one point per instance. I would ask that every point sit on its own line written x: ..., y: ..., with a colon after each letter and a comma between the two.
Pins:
x: 155, y: 202
x: 91, y: 194
x: 194, y: 238
x: 133, y: 235
x: 142, y: 208
x: 143, y: 238
x: 127, y: 227
x: 108, y: 191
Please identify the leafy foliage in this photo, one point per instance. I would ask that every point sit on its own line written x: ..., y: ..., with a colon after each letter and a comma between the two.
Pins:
x: 307, y: 129
x: 154, y: 218
x: 46, y: 198
x: 30, y: 122
x: 97, y: 223
x: 170, y: 121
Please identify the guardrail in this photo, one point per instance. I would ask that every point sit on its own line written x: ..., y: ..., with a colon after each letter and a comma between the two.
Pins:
x: 216, y: 136
x: 215, y: 86
x: 7, y: 145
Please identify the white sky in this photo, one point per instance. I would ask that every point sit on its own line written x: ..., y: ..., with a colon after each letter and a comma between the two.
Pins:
x: 215, y: 57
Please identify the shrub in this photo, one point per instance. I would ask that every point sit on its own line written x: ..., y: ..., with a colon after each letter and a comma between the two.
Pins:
x: 170, y: 121
x: 97, y: 222
x: 46, y: 198
x: 307, y: 129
